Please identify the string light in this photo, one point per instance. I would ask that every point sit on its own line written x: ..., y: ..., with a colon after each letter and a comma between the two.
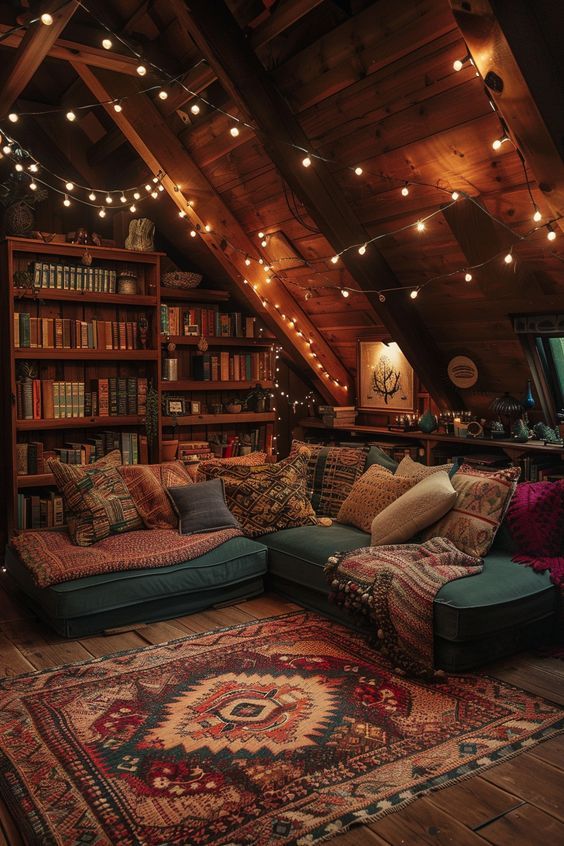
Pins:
x: 550, y: 233
x: 33, y: 186
x: 358, y: 171
x: 13, y: 118
x: 107, y: 43
x: 123, y: 198
x: 132, y: 208
x: 420, y: 225
x: 306, y: 161
x: 69, y: 186
x: 148, y: 188
x: 136, y: 195
x: 260, y: 235
x: 71, y: 116
x: 19, y: 167
x: 163, y: 95
x: 362, y: 250
x: 264, y: 243
x: 508, y: 258
x: 195, y: 109
x: 345, y: 293
x: 102, y: 212
x: 7, y: 150
x: 499, y: 141
x: 455, y: 195
x: 141, y: 70
x: 414, y: 293
x: 207, y: 227
x: 117, y: 106
x: 234, y: 131
x: 537, y: 215
x: 160, y: 188
x: 109, y: 199
x: 247, y: 261
x: 405, y: 190
x: 154, y: 194
x: 458, y: 64
x: 33, y: 168
x: 92, y: 196
x: 193, y: 233
x: 334, y: 259
x: 66, y: 201
x: 467, y: 277
x: 181, y: 214
x: 46, y: 19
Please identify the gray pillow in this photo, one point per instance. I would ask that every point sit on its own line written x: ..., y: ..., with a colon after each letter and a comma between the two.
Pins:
x: 202, y: 507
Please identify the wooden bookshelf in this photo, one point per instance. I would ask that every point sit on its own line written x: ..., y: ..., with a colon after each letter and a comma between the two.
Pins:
x: 34, y: 294
x: 194, y: 295
x: 215, y: 341
x: 197, y: 385
x: 214, y: 419
x: 86, y: 355
x: 106, y: 422
x: 38, y: 480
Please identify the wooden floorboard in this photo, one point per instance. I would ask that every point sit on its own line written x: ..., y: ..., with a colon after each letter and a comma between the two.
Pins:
x: 517, y: 803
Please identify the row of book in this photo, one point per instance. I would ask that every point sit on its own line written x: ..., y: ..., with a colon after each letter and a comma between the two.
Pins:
x: 192, y: 452
x: 233, y: 367
x: 48, y: 399
x: 41, y: 510
x: 32, y: 457
x: 210, y: 322
x: 71, y: 277
x: 62, y: 333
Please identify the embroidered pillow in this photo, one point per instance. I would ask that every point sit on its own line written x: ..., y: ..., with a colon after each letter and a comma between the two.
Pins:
x: 372, y: 493
x: 96, y: 500
x: 252, y: 459
x: 535, y: 519
x: 268, y: 497
x: 331, y: 473
x: 148, y: 491
x: 174, y: 473
x: 414, y: 470
x: 483, y: 499
x: 414, y: 510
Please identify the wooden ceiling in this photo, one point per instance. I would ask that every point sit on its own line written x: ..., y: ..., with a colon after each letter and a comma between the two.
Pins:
x: 359, y: 83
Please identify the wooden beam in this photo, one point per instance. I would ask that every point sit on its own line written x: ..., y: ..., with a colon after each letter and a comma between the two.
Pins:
x: 156, y: 144
x: 34, y: 46
x: 242, y: 75
x: 494, y: 47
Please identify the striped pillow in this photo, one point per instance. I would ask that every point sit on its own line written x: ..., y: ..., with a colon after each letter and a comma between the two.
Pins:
x: 331, y: 473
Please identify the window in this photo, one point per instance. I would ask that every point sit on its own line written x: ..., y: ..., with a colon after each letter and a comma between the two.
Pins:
x: 551, y: 354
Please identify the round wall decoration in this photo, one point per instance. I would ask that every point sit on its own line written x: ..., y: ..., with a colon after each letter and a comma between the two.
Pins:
x: 462, y: 371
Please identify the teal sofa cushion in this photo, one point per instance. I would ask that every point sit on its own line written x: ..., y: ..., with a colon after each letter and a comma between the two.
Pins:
x: 378, y: 456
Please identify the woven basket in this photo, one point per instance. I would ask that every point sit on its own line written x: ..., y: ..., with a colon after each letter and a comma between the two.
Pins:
x: 181, y: 279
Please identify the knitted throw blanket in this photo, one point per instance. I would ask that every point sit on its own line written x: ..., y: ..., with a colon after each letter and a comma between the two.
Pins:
x: 394, y: 588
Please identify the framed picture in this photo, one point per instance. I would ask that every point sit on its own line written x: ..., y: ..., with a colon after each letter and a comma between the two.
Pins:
x: 385, y: 379
x: 174, y: 406
x: 195, y: 407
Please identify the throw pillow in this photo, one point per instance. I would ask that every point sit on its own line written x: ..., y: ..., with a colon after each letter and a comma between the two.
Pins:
x: 374, y: 491
x: 147, y: 485
x: 252, y: 459
x: 268, y: 497
x: 414, y: 470
x: 96, y: 501
x: 535, y: 519
x: 331, y: 473
x: 202, y: 508
x: 414, y: 510
x: 482, y: 501
x: 376, y: 455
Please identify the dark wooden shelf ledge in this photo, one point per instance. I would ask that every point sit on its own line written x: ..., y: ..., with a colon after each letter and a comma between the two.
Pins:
x: 217, y: 341
x: 79, y: 423
x: 210, y: 419
x: 195, y: 385
x: 34, y: 294
x: 194, y: 295
x: 88, y: 355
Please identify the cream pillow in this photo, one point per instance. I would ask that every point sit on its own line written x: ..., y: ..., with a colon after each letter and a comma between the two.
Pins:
x: 373, y: 492
x: 414, y: 470
x: 419, y: 507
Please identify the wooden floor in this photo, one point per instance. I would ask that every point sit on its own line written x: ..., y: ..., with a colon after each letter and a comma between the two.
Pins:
x: 518, y: 803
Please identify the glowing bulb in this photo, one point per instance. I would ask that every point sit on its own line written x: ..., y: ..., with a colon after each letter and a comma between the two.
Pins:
x: 264, y: 242
x: 13, y: 117
x: 455, y: 195
x: 71, y: 116
x: 19, y: 167
x: 358, y: 171
x: 46, y: 19
x: 414, y: 294
x: 345, y: 293
x: 195, y: 109
x: 420, y: 225
x: 69, y: 186
x: 261, y: 261
x: 66, y: 201
x: 207, y: 227
x: 33, y: 168
x: 192, y: 233
x: 306, y: 162
x: 154, y: 194
x: 161, y: 188
x: 106, y: 44
x: 234, y: 131
x: 467, y: 277
x: 33, y: 186
x: 537, y: 216
x: 155, y: 179
x: 247, y: 261
x: 458, y: 64
x: 141, y: 70
x: 102, y: 212
x: 335, y: 259
x: 109, y: 199
x: 266, y: 268
x: 362, y: 250
x: 499, y: 141
x: 261, y: 235
x: 163, y: 94
x: 133, y: 208
x: 117, y: 106
x: 6, y: 149
x: 550, y: 234
x: 181, y: 214
x: 268, y: 280
x: 508, y: 258
x: 147, y: 187
x: 92, y: 196
x: 405, y: 190
x: 136, y: 195
x: 123, y: 198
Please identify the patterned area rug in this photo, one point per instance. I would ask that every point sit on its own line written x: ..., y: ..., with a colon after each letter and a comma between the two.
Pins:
x: 280, y: 731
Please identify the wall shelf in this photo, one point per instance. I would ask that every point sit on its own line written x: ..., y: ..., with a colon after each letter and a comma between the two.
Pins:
x: 36, y: 481
x: 78, y: 423
x: 195, y: 385
x: 87, y: 355
x: 38, y: 294
x: 215, y: 341
x: 211, y: 419
x: 194, y: 295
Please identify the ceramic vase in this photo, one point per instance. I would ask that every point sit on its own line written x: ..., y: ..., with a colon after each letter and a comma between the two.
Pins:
x: 428, y: 422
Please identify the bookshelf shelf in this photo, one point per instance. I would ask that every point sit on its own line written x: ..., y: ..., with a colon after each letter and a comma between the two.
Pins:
x: 78, y: 423
x: 38, y: 294
x: 196, y: 385
x: 211, y: 419
x: 87, y: 355
x: 37, y: 480
x: 194, y: 295
x: 213, y: 341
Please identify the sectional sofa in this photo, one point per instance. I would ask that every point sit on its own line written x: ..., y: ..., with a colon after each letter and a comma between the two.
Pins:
x: 505, y: 608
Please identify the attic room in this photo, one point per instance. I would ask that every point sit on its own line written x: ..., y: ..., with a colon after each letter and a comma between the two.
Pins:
x: 282, y: 379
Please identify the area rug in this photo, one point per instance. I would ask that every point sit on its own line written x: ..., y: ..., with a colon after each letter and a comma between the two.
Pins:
x: 281, y: 731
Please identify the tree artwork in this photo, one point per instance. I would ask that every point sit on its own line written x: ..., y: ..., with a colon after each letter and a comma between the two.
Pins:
x: 386, y: 381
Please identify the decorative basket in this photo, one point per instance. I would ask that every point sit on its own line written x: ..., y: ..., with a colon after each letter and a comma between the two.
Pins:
x: 181, y: 279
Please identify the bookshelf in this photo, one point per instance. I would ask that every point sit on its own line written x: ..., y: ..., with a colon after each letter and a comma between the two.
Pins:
x: 69, y: 335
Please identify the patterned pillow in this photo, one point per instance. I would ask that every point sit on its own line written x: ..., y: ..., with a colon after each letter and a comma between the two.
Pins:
x: 414, y: 470
x: 268, y: 497
x: 535, y: 519
x: 483, y: 499
x: 251, y: 460
x: 374, y: 491
x: 147, y: 484
x: 96, y: 501
x: 331, y: 473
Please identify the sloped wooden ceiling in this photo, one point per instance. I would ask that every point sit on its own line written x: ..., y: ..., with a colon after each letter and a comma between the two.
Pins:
x: 369, y: 84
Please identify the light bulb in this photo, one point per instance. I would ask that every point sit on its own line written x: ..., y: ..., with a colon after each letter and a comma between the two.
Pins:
x: 261, y: 235
x: 358, y: 171
x: 6, y: 149
x: 133, y: 208
x: 261, y: 260
x: 163, y: 94
x: 147, y: 187
x: 420, y: 225
x: 345, y: 293
x: 264, y: 242
x: 405, y: 190
x: 362, y: 250
x: 69, y: 186
x: 455, y: 195
x: 141, y: 70
x: 136, y: 195
x: 508, y: 258
x: 268, y: 280
x: 117, y: 106
x: 46, y: 19
x: 13, y: 117
x: 266, y: 268
x: 123, y: 198
x: 467, y: 277
x: 109, y: 199
x: 155, y: 179
x: 181, y: 214
x: 106, y: 44
x: 160, y: 188
x: 207, y: 227
x: 499, y: 141
x: 234, y: 131
x: 550, y: 233
x: 102, y: 212
x: 33, y: 168
x: 247, y: 261
x: 537, y: 216
x: 458, y: 64
x: 71, y: 116
x: 66, y: 201
x: 92, y: 196
x: 195, y: 109
x: 306, y: 162
x: 192, y: 233
x: 19, y: 167
x: 414, y: 294
x: 154, y: 194
x: 33, y: 186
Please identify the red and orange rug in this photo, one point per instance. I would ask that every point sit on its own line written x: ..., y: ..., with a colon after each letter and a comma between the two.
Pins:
x: 281, y: 731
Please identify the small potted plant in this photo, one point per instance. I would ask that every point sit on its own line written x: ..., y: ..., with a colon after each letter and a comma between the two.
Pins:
x: 258, y: 399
